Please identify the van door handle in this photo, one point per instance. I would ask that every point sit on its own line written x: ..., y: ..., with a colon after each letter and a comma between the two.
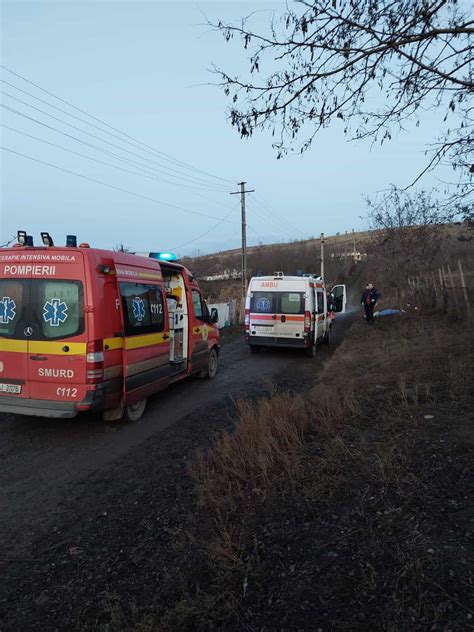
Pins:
x: 38, y: 357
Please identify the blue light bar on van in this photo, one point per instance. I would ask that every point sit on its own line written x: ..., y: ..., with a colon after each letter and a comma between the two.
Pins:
x: 163, y: 256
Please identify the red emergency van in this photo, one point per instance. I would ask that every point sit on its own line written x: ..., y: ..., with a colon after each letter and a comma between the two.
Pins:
x: 83, y: 329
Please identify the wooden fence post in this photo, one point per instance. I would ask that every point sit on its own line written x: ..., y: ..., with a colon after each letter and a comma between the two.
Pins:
x: 464, y: 288
x: 443, y: 288
x: 455, y: 296
x: 434, y: 287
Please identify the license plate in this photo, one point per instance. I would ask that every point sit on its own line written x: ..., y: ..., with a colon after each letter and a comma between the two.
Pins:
x: 264, y: 330
x: 10, y: 388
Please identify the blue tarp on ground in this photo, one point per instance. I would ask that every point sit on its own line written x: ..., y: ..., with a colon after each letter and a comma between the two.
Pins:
x: 387, y: 312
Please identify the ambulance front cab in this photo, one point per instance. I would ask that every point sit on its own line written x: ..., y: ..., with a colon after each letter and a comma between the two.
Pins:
x: 83, y: 329
x: 290, y: 311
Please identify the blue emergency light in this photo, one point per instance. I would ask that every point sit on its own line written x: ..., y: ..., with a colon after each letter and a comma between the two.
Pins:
x: 163, y: 256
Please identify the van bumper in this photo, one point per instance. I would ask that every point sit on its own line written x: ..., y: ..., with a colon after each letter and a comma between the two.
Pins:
x: 49, y: 408
x: 274, y: 341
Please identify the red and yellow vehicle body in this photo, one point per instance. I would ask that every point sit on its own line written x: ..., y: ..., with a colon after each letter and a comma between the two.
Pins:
x: 88, y: 329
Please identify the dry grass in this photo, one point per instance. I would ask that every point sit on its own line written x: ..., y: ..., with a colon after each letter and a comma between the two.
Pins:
x: 352, y: 441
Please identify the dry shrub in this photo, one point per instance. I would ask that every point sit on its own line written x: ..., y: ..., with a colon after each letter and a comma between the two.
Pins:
x: 267, y: 442
x: 353, y: 445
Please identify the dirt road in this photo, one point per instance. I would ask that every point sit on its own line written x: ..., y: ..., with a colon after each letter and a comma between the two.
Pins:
x: 56, y: 475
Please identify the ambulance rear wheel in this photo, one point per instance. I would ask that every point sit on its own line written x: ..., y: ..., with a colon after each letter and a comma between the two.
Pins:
x: 311, y: 351
x: 212, y: 363
x: 134, y: 412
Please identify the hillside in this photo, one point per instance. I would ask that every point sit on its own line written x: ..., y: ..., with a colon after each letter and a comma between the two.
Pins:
x: 219, y: 273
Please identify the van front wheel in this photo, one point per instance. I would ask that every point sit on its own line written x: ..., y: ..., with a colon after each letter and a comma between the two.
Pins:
x: 134, y: 412
x: 212, y: 363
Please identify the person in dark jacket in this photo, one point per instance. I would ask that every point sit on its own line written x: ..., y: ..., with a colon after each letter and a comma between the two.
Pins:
x: 369, y: 300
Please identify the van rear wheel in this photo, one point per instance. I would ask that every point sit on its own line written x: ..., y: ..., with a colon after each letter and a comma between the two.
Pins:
x: 212, y: 364
x: 134, y: 412
x: 327, y: 337
x: 311, y: 351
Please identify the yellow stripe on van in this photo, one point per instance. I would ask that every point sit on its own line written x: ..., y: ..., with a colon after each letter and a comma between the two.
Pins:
x: 146, y: 340
x: 56, y: 348
x: 14, y: 346
x: 113, y: 343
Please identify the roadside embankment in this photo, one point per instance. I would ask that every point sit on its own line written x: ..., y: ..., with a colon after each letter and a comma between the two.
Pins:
x: 348, y: 507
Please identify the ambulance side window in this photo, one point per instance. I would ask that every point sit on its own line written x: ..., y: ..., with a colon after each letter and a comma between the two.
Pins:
x: 143, y: 311
x: 320, y: 302
x: 197, y: 305
x: 58, y: 307
x: 13, y: 299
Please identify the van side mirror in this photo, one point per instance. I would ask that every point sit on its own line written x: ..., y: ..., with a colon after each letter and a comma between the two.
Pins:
x: 214, y: 315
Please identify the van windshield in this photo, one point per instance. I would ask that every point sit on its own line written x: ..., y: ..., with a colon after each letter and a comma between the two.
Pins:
x: 277, y: 302
x: 52, y: 308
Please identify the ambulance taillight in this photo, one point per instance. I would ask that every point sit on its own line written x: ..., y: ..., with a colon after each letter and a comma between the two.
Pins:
x: 247, y: 319
x: 95, y: 362
x: 307, y: 322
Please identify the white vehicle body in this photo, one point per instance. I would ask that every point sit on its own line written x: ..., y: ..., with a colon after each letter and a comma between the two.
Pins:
x: 290, y: 311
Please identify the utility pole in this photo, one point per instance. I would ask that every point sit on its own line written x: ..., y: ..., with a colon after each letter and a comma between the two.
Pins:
x: 322, y: 255
x: 244, y: 235
x: 353, y: 245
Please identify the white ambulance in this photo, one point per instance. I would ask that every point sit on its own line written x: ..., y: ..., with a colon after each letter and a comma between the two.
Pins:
x: 290, y: 311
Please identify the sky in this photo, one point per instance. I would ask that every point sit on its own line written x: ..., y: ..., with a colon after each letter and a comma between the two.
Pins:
x: 143, y: 69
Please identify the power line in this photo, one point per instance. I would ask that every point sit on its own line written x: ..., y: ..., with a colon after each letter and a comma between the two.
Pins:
x: 112, y: 186
x: 268, y: 222
x: 101, y: 162
x: 77, y: 118
x: 194, y: 180
x: 261, y: 201
x: 101, y: 149
x: 109, y: 164
x: 177, y: 162
x: 207, y: 231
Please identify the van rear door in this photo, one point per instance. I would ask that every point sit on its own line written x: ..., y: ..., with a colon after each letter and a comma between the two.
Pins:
x: 339, y: 298
x: 14, y: 301
x: 289, y: 321
x: 57, y: 345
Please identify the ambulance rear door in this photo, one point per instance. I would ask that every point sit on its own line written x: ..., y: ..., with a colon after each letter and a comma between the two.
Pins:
x: 263, y: 305
x: 339, y: 298
x: 289, y: 322
x: 57, y: 321
x: 322, y: 323
x: 14, y: 301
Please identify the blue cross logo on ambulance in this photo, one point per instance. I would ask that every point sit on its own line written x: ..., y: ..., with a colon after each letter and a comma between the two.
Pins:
x: 138, y: 307
x: 263, y: 304
x: 55, y: 312
x: 7, y: 310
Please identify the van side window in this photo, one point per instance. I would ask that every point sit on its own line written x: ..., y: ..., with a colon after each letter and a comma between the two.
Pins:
x: 263, y: 302
x: 292, y: 302
x: 143, y: 310
x: 320, y: 302
x: 13, y: 301
x: 197, y: 305
x: 58, y: 307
